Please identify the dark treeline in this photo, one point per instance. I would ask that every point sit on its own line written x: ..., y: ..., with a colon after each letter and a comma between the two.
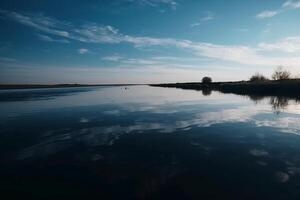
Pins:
x: 279, y: 92
x: 287, y: 88
x: 258, y: 85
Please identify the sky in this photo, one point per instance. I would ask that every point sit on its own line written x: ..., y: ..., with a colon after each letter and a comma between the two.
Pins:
x: 146, y: 41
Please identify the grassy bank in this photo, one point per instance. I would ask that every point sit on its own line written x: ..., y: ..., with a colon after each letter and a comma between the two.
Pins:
x: 286, y: 88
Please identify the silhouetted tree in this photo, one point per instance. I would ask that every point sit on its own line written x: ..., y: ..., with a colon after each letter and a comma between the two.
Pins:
x: 258, y: 77
x: 206, y: 80
x: 281, y: 74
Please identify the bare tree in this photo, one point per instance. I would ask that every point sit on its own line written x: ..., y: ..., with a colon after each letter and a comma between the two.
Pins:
x: 281, y: 74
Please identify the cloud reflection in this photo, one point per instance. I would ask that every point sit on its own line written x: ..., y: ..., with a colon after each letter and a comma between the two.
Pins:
x: 258, y: 152
x: 159, y: 114
x: 99, y: 136
x: 282, y: 177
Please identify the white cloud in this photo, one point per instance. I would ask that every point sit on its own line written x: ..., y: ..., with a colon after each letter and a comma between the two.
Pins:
x: 266, y: 14
x: 289, y: 44
x: 39, y: 22
x: 291, y: 4
x: 140, y: 61
x: 82, y: 51
x: 287, y: 5
x: 134, y: 61
x: 154, y: 3
x: 93, y: 33
x: 112, y: 58
x: 195, y: 24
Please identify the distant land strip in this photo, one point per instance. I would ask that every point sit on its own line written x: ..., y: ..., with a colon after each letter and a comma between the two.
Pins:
x: 36, y: 86
x: 281, y: 88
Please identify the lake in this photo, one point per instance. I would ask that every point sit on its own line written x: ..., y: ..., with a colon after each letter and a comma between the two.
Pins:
x: 142, y: 142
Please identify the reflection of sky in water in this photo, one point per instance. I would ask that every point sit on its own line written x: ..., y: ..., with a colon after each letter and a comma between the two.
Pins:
x: 102, y: 124
x: 149, y: 96
x: 113, y: 110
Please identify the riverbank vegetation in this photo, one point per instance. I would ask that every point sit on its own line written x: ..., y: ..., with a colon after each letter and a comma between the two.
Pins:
x: 281, y: 84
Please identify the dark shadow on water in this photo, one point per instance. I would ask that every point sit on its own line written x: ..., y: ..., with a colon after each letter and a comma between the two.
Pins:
x: 278, y: 93
x: 256, y: 99
x: 206, y: 92
x: 39, y: 94
x: 279, y: 103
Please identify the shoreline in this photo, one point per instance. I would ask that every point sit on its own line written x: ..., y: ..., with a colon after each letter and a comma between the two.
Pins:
x: 280, y: 88
x: 41, y: 86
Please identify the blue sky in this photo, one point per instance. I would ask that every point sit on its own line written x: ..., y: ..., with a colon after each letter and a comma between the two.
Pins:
x: 146, y: 41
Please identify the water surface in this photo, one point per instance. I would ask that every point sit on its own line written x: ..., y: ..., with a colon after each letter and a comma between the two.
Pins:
x: 143, y: 142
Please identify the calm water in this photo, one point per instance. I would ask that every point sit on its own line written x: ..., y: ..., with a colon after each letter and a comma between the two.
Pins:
x: 147, y: 143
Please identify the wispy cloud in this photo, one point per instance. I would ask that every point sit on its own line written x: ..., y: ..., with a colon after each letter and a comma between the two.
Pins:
x: 291, y: 4
x: 87, y: 33
x: 287, y: 5
x: 289, y: 45
x: 113, y: 58
x: 266, y: 14
x: 155, y: 61
x: 94, y: 33
x: 155, y: 3
x: 208, y: 15
x: 82, y: 51
x: 139, y: 61
x: 47, y: 38
x: 39, y: 22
